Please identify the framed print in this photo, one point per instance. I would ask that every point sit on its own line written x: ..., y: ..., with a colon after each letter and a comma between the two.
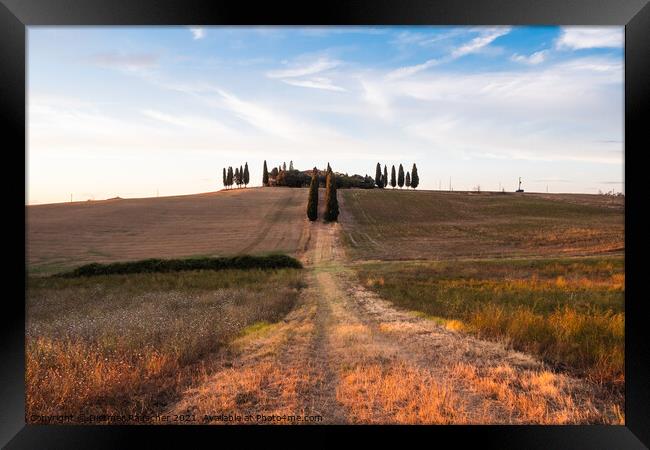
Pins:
x: 416, y: 217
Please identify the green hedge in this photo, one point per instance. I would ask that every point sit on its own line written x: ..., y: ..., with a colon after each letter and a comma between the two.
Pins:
x: 177, y: 265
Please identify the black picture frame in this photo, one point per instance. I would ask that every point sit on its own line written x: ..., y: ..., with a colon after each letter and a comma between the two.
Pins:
x: 16, y: 15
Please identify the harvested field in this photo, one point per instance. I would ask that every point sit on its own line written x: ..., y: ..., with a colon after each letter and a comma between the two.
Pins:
x: 252, y: 221
x: 400, y: 225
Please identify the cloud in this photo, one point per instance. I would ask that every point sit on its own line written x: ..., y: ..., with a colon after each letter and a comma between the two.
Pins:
x: 319, y: 65
x: 197, y: 33
x: 315, y: 83
x: 576, y: 38
x: 123, y: 61
x: 410, y: 70
x: 485, y: 38
x: 273, y: 121
x: 535, y: 58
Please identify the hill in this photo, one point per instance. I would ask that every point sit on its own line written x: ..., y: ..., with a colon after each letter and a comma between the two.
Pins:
x: 253, y: 221
x: 400, y: 224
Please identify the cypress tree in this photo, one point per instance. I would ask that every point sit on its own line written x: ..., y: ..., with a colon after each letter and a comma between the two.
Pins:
x: 291, y: 165
x: 393, y: 182
x: 312, y: 200
x: 265, y: 175
x: 415, y: 179
x: 284, y: 166
x: 241, y: 176
x: 331, y: 200
x: 408, y: 180
x: 237, y: 176
x: 230, y: 176
x: 225, y: 178
x: 247, y: 177
x: 400, y: 177
x: 378, y: 180
x: 385, y: 176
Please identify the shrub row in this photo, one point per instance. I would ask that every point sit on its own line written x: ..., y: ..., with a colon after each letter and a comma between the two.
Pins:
x: 277, y: 261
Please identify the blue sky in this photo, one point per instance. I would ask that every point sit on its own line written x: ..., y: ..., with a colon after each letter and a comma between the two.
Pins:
x: 132, y: 111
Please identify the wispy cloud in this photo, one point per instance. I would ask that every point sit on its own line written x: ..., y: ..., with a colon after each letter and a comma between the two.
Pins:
x: 485, y: 38
x: 315, y: 83
x: 298, y: 70
x: 535, y: 58
x: 124, y: 61
x: 301, y: 74
x: 576, y: 38
x: 197, y: 33
x: 410, y: 70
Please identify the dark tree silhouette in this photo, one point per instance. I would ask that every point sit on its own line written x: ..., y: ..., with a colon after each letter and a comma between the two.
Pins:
x: 284, y: 166
x: 230, y: 176
x: 291, y: 165
x: 329, y: 169
x: 331, y: 200
x: 393, y: 181
x: 312, y: 200
x: 247, y: 177
x: 378, y: 181
x: 225, y: 178
x: 400, y: 177
x: 265, y: 175
x: 237, y: 177
x: 385, y: 176
x: 408, y: 180
x: 415, y: 179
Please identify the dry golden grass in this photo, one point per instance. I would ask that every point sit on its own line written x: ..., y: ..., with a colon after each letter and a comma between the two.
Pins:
x: 400, y: 394
x: 61, y: 236
x: 103, y: 346
x: 568, y: 311
x: 533, y: 397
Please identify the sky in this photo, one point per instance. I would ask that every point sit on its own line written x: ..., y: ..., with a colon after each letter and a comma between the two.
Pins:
x: 146, y: 111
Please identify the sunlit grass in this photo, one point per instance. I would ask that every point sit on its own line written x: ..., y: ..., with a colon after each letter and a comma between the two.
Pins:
x: 129, y: 344
x: 568, y: 311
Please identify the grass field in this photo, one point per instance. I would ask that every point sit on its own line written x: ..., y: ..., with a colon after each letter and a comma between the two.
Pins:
x: 129, y: 344
x: 570, y: 312
x: 401, y: 225
x: 251, y: 221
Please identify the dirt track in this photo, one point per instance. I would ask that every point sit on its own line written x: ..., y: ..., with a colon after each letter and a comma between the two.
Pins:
x: 350, y: 357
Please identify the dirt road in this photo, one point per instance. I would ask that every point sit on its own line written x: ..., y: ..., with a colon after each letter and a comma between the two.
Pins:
x: 348, y: 356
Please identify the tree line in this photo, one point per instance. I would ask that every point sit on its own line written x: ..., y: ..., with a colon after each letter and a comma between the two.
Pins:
x: 411, y: 179
x: 331, y: 199
x: 239, y: 176
x: 289, y: 177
